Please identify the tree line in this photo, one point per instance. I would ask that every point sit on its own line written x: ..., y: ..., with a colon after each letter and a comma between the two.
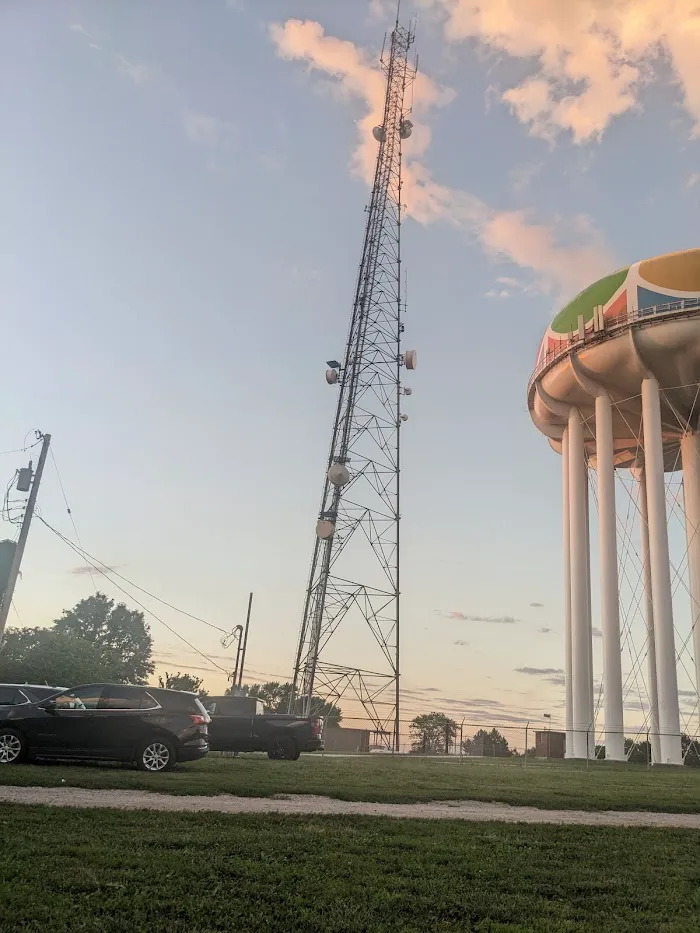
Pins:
x: 436, y: 734
x: 100, y: 641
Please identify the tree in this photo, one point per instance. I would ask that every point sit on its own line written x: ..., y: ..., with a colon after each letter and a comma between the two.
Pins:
x: 45, y: 656
x: 637, y: 752
x: 121, y: 635
x: 276, y: 698
x: 433, y: 734
x: 691, y: 751
x: 186, y: 682
x: 489, y: 744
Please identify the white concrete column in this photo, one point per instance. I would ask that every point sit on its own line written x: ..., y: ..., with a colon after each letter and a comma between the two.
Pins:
x: 609, y: 592
x: 690, y: 456
x: 566, y: 547
x: 589, y: 637
x: 667, y: 681
x: 580, y: 622
x: 649, y: 616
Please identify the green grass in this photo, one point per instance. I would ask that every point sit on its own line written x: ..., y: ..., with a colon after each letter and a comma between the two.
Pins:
x: 542, y: 784
x: 89, y: 871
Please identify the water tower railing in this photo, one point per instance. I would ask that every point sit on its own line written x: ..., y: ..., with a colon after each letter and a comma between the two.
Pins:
x: 613, y: 325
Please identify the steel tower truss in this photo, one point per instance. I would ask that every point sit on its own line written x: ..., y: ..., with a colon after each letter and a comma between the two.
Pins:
x: 354, y: 579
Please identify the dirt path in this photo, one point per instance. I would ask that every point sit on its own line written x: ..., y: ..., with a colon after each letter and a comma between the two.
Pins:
x: 307, y: 804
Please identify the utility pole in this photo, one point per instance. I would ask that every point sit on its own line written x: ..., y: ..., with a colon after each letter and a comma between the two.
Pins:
x: 23, y: 535
x: 245, y: 641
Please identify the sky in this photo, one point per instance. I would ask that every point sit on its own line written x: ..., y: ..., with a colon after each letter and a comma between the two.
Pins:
x: 183, y: 186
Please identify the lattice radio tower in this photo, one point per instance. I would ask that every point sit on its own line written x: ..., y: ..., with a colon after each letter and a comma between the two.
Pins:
x: 352, y: 601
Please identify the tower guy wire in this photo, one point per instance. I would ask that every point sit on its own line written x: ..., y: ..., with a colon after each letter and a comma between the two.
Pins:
x: 353, y: 592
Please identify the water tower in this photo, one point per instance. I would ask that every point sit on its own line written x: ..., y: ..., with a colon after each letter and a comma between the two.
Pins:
x: 616, y: 388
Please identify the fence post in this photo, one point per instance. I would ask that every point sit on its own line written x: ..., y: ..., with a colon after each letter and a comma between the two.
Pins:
x: 461, y: 741
x: 527, y: 726
x: 648, y: 751
x: 588, y: 748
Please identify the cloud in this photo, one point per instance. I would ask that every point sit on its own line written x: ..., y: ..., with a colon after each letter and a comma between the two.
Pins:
x: 563, y: 257
x: 558, y: 680
x: 86, y: 569
x: 462, y: 617
x: 544, y: 630
x: 205, y: 130
x: 139, y: 73
x: 589, y: 60
x: 539, y: 671
x: 537, y: 605
x: 77, y: 27
x: 461, y: 643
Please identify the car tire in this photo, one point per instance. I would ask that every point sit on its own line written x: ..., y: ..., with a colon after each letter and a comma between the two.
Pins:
x: 13, y: 747
x: 155, y: 756
x: 283, y: 749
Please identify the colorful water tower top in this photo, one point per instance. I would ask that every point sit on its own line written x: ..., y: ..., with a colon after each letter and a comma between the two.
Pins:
x: 649, y: 284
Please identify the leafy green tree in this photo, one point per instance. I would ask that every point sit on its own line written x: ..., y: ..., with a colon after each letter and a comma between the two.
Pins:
x: 691, y: 751
x: 187, y: 682
x: 276, y: 698
x: 45, y: 656
x: 489, y: 744
x: 433, y: 734
x: 637, y: 752
x: 121, y: 635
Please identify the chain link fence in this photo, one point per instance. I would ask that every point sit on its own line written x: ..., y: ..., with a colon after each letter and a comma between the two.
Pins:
x: 436, y: 736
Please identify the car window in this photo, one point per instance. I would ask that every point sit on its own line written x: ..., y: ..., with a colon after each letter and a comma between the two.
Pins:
x: 42, y: 693
x: 127, y: 698
x: 80, y: 698
x: 11, y: 696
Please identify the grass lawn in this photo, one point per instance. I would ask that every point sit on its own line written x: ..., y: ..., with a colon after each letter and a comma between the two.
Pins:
x: 74, y: 871
x: 552, y: 785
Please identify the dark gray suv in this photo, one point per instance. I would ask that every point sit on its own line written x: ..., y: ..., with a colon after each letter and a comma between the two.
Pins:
x: 150, y: 726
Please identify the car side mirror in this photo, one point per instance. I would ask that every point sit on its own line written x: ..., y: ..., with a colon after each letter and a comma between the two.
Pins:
x: 49, y: 706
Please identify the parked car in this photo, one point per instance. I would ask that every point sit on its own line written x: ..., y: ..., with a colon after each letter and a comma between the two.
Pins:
x: 20, y: 694
x: 150, y: 726
x: 241, y: 724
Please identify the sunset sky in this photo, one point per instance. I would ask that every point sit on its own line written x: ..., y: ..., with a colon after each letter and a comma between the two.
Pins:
x: 183, y: 190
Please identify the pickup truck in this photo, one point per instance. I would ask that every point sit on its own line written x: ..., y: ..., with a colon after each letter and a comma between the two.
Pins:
x: 241, y: 724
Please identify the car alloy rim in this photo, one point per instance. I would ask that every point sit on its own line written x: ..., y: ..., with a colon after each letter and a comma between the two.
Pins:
x: 156, y: 756
x: 10, y: 748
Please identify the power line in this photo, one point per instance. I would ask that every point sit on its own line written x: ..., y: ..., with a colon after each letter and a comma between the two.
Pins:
x: 70, y: 515
x: 182, y: 638
x: 107, y: 571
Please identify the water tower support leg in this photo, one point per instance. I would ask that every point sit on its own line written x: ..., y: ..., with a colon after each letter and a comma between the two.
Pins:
x: 649, y: 616
x: 566, y: 546
x: 609, y: 593
x: 580, y: 622
x: 690, y: 456
x: 667, y: 680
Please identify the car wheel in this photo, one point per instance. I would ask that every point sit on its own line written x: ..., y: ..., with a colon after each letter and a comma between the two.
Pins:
x: 284, y: 749
x: 155, y: 756
x: 13, y: 747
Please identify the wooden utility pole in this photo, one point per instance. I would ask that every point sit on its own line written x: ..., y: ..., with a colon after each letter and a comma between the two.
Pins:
x: 23, y: 535
x: 245, y: 640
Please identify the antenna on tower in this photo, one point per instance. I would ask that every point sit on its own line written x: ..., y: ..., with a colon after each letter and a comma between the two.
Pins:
x: 353, y: 597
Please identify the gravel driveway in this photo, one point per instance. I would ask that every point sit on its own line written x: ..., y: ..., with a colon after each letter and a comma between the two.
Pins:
x: 307, y: 804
